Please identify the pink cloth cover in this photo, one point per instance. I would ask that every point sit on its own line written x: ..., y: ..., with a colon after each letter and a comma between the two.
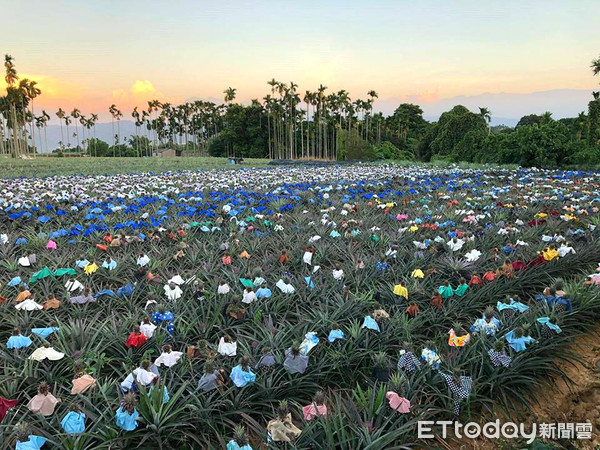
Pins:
x: 311, y: 411
x: 398, y: 403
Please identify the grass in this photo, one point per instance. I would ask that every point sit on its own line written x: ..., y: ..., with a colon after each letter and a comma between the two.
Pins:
x: 440, y: 163
x: 50, y: 166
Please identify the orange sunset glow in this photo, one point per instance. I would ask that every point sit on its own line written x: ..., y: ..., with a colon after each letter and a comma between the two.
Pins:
x: 88, y: 56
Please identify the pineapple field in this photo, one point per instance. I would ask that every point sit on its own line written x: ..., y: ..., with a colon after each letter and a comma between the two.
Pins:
x: 292, y: 307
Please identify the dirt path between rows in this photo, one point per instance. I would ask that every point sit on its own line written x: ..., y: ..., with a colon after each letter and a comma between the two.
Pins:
x: 559, y: 402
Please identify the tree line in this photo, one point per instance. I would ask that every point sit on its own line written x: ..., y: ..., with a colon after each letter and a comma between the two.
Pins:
x: 288, y: 124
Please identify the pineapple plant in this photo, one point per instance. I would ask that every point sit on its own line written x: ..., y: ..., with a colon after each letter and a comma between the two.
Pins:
x: 356, y: 371
x: 381, y: 367
x: 240, y: 436
x: 548, y: 332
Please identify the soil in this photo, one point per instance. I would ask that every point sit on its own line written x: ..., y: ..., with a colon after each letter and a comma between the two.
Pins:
x: 575, y: 401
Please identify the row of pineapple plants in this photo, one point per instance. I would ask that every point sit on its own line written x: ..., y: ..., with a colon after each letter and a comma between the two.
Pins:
x: 94, y: 334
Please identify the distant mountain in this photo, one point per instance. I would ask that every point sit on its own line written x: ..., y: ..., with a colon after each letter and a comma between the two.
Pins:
x: 506, y: 108
x: 104, y: 131
x: 215, y: 100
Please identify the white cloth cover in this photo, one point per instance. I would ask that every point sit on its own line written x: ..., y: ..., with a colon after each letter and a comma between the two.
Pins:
x: 168, y: 359
x: 46, y: 353
x: 227, y: 348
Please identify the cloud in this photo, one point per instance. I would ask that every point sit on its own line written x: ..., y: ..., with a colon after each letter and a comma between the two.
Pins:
x: 430, y: 96
x: 140, y: 92
x: 120, y: 95
x: 59, y: 93
x: 143, y: 87
x: 66, y: 94
x: 52, y: 88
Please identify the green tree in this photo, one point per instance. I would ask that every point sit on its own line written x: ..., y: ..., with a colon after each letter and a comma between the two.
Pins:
x: 442, y: 139
x: 596, y: 66
x: 546, y: 117
x: 61, y: 116
x: 353, y: 147
x: 545, y: 146
x: 470, y: 147
x: 486, y: 114
x: 100, y: 148
x: 387, y: 150
x: 531, y: 119
x: 406, y: 127
x: 229, y: 94
x: 76, y: 114
x: 244, y: 133
x: 594, y: 110
x: 14, y: 108
x: 594, y: 120
x: 141, y: 144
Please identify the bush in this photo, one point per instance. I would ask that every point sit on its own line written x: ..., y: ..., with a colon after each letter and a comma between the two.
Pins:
x: 218, y: 146
x: 387, y: 150
x: 584, y: 156
x: 353, y: 147
x: 98, y: 147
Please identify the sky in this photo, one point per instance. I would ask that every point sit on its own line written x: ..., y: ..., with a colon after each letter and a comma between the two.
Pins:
x: 92, y: 54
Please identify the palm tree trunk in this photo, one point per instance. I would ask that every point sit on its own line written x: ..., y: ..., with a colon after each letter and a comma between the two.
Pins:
x: 302, y: 137
x: 269, y: 133
x: 2, y: 135
x: 82, y: 140
x: 326, y: 138
x: 32, y: 129
x: 62, y: 138
x: 112, y: 126
x: 318, y: 132
x: 307, y: 128
x: 15, y: 135
x: 77, y: 133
